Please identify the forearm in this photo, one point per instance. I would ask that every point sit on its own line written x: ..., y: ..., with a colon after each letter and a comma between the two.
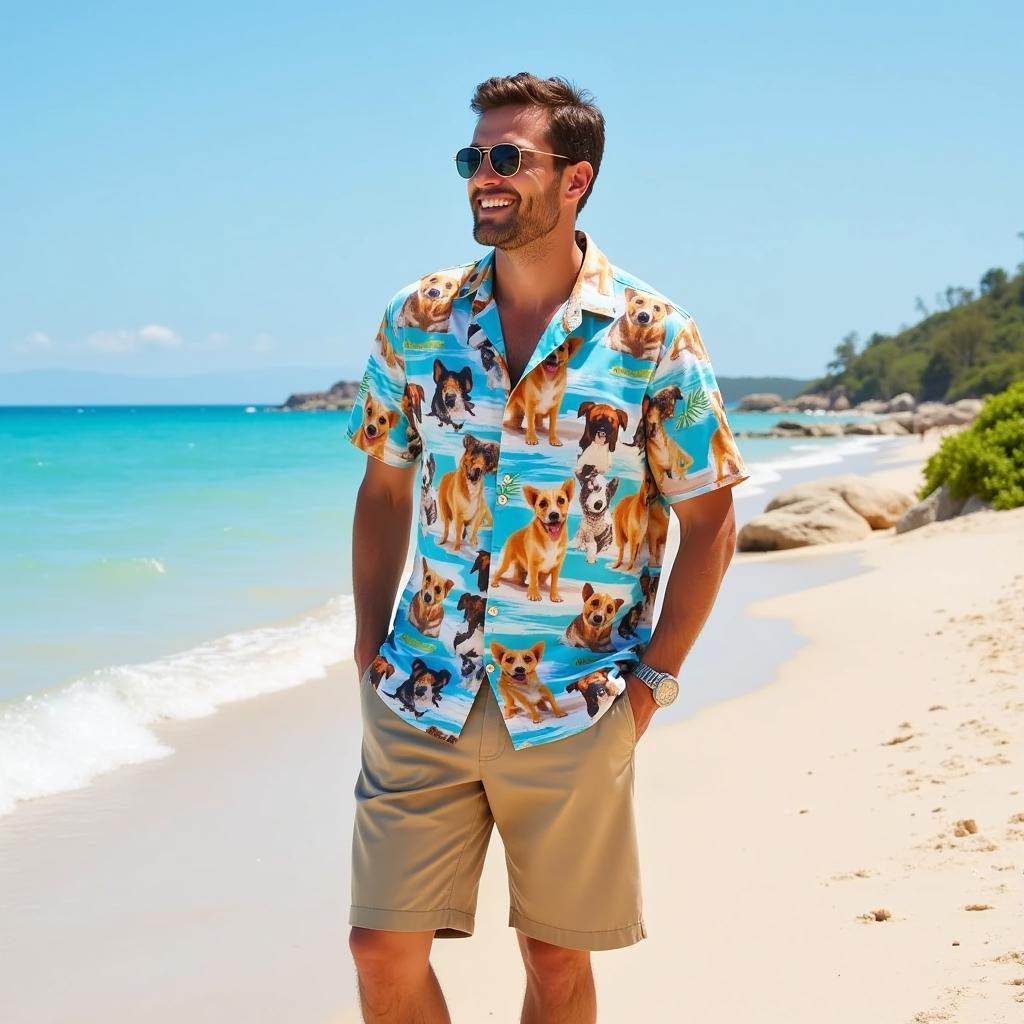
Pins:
x: 380, y: 543
x: 689, y: 593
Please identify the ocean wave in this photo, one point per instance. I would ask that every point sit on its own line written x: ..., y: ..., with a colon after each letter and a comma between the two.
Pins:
x: 61, y: 739
x: 770, y: 471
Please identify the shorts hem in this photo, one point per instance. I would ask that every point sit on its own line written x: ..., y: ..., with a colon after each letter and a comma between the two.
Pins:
x: 446, y: 923
x: 609, y: 938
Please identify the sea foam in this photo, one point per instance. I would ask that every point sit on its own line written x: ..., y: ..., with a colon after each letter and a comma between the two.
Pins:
x: 62, y: 738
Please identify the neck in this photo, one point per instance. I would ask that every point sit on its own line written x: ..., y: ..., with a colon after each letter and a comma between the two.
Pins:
x: 538, y: 277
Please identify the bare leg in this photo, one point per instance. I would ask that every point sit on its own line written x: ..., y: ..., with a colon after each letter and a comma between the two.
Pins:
x: 397, y: 985
x: 559, y: 984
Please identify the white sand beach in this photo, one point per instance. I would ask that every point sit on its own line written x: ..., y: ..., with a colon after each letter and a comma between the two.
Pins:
x: 881, y: 771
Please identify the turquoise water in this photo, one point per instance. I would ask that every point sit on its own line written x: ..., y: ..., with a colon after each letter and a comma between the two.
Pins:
x: 159, y: 561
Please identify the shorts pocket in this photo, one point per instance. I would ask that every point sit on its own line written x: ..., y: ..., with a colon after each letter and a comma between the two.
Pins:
x: 624, y: 698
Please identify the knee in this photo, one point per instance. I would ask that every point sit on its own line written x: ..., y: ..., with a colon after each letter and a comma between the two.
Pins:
x: 553, y: 966
x: 391, y: 956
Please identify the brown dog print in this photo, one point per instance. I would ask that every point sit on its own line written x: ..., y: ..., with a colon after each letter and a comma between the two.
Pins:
x: 593, y: 687
x: 460, y: 494
x: 430, y: 307
x: 600, y: 433
x: 387, y: 350
x: 592, y: 628
x: 723, y: 448
x: 519, y: 684
x: 640, y: 331
x: 688, y: 339
x: 426, y: 610
x: 422, y: 688
x: 378, y: 420
x: 629, y: 521
x: 540, y: 393
x: 380, y: 669
x: 537, y: 550
x: 665, y: 457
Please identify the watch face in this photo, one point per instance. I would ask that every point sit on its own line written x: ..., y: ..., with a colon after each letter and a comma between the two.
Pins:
x: 666, y: 691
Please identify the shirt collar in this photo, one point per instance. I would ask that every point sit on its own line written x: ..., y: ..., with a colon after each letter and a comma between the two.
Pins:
x: 587, y: 293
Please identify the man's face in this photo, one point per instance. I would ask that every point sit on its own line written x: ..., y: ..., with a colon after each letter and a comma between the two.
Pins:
x: 535, y: 190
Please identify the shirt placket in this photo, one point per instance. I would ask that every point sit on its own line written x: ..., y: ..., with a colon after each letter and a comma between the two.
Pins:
x: 568, y: 318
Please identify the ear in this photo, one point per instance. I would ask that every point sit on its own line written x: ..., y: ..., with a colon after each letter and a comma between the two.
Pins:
x: 644, y: 405
x: 530, y: 494
x: 537, y: 650
x: 584, y: 408
x: 438, y: 370
x: 618, y: 602
x: 468, y: 441
x: 418, y: 667
x: 425, y: 569
x: 497, y: 650
x: 623, y: 418
x: 569, y: 486
x: 466, y: 378
x: 669, y: 309
x: 587, y: 591
x: 448, y: 584
x: 393, y: 416
x: 613, y: 486
x: 630, y: 294
x: 574, y: 345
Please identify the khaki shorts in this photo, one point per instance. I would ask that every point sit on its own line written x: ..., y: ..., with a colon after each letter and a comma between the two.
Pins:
x: 564, y: 810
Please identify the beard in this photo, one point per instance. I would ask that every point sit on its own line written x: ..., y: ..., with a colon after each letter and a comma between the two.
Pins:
x: 522, y: 224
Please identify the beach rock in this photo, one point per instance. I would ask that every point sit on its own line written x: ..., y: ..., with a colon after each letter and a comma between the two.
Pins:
x: 975, y: 504
x: 879, y: 506
x: 802, y: 403
x: 905, y: 420
x: 936, y: 508
x: 759, y: 402
x: 871, y: 405
x: 802, y: 523
x: 840, y: 403
x: 825, y: 430
x: 860, y: 428
x: 892, y: 426
x: 904, y: 402
x: 341, y: 395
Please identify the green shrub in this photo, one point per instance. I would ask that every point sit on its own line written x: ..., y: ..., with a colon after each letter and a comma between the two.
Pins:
x: 986, y: 459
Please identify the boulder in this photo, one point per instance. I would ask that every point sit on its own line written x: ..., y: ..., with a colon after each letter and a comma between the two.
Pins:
x: 840, y: 404
x: 975, y: 504
x: 871, y: 405
x: 904, y: 402
x: 804, y: 402
x: 879, y: 506
x: 905, y: 420
x: 760, y: 402
x: 825, y: 430
x: 937, y: 507
x: 892, y: 426
x: 860, y: 428
x: 802, y: 523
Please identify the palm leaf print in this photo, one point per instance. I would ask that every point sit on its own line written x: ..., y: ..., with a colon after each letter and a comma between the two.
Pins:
x: 508, y: 486
x: 696, y: 407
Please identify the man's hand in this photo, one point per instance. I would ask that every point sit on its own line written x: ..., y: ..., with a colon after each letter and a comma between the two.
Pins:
x: 641, y: 700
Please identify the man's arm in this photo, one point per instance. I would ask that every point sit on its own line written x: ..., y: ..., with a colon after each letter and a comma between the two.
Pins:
x: 707, y: 542
x: 380, y: 543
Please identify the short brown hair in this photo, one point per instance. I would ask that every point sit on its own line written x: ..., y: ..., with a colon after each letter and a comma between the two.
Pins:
x: 575, y: 125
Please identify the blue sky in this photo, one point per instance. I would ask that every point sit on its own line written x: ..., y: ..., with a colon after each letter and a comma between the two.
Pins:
x: 194, y: 187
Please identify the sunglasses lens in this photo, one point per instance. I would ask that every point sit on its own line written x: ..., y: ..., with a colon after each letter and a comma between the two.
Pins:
x: 505, y: 159
x: 467, y: 161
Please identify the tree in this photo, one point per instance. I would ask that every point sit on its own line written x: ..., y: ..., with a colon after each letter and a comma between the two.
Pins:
x: 845, y: 353
x: 921, y: 308
x: 993, y: 281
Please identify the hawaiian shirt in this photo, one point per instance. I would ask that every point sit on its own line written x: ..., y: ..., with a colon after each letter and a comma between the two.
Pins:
x: 543, y: 507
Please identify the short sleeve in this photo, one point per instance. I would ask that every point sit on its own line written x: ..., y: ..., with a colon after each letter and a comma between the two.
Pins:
x: 381, y: 422
x: 689, y: 444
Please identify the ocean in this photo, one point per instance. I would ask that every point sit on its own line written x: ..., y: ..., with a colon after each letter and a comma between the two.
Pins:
x: 159, y: 561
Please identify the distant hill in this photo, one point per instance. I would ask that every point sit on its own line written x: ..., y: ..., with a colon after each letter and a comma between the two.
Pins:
x: 972, y: 347
x: 241, y: 387
x: 229, y: 387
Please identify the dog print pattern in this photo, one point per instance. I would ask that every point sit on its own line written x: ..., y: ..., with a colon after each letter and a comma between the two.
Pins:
x: 543, y: 509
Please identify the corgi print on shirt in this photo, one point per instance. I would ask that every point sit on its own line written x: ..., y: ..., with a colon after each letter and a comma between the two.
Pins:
x: 541, y: 510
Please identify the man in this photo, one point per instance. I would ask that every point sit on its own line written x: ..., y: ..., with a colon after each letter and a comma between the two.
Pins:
x: 556, y: 407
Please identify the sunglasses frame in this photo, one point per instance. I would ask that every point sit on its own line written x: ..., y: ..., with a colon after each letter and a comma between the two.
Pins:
x: 486, y: 150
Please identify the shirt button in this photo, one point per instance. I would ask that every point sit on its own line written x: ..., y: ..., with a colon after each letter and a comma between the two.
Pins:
x: 490, y: 669
x: 492, y: 610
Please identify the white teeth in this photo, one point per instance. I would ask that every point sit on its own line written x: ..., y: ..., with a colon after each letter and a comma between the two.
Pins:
x: 487, y: 204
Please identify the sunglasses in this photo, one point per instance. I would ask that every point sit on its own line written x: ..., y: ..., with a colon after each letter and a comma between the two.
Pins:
x: 505, y: 158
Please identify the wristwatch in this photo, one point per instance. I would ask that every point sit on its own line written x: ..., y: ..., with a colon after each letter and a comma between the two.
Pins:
x: 664, y: 685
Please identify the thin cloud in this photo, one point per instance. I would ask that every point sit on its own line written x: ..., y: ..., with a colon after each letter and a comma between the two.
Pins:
x: 37, y: 341
x: 124, y: 342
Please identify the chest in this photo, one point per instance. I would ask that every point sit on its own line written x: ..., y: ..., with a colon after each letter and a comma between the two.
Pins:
x: 521, y: 332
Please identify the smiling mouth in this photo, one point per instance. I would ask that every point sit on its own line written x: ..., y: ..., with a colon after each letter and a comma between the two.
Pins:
x: 494, y: 204
x: 554, y: 529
